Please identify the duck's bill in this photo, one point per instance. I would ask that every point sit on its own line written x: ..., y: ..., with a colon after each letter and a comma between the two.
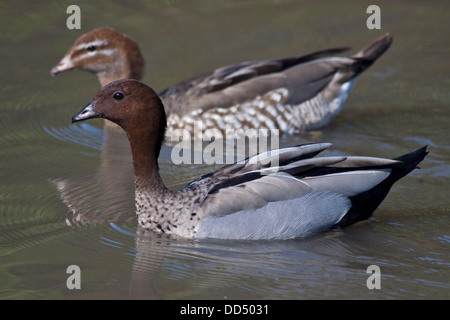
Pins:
x: 87, y: 112
x: 64, y: 65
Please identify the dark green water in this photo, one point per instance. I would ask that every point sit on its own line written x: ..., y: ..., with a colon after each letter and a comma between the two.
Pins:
x: 66, y: 191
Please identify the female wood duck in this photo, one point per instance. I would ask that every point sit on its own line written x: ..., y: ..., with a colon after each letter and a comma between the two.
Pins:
x: 291, y: 94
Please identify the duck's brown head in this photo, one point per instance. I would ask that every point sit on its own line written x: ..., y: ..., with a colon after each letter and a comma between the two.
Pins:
x: 107, y: 53
x: 132, y: 105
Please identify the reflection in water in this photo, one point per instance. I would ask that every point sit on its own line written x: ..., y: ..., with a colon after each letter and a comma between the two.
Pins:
x: 151, y: 251
x: 208, y: 265
x: 331, y: 262
x: 107, y: 195
x: 83, y: 134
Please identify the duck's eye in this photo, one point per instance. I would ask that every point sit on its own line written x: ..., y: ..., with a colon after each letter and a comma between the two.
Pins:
x: 91, y: 48
x: 118, y: 95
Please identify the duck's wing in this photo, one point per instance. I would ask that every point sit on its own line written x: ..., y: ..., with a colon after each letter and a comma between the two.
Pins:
x: 282, y: 206
x: 302, y: 197
x: 277, y: 206
x: 233, y: 84
x: 255, y: 166
x: 303, y: 76
x: 227, y: 76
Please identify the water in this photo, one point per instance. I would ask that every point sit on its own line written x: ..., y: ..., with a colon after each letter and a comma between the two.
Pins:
x: 66, y: 190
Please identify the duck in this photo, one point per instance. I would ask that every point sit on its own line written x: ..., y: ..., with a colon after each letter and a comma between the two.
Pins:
x: 291, y: 95
x: 291, y: 194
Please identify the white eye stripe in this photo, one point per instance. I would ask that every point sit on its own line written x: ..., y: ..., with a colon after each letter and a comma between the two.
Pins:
x: 95, y: 43
x: 106, y: 52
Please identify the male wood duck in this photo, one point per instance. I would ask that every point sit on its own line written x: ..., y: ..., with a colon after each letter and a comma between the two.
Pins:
x: 252, y: 199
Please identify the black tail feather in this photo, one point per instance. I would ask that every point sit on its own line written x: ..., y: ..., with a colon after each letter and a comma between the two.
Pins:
x: 364, y: 204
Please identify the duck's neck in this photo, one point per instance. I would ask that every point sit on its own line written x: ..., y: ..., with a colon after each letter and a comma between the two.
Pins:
x: 145, y: 152
x: 151, y: 194
x: 128, y: 64
x: 116, y: 72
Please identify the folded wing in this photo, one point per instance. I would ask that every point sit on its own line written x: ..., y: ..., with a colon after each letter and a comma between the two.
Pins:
x: 302, y: 195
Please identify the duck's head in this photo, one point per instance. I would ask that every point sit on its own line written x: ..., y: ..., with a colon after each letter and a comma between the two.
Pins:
x: 130, y: 104
x: 107, y: 53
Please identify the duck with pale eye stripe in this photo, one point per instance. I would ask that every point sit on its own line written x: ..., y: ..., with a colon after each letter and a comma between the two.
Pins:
x: 246, y: 200
x: 290, y: 94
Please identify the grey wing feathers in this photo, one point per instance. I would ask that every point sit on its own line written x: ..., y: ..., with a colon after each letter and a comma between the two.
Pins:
x: 233, y: 74
x: 252, y: 187
x: 303, y: 76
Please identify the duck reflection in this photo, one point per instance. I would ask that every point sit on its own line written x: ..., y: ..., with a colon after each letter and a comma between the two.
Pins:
x: 107, y: 194
x: 219, y: 267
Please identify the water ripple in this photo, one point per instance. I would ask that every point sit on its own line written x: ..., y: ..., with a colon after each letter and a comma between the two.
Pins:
x: 82, y: 133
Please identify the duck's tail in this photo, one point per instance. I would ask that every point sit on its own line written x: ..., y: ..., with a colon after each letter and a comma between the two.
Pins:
x: 369, y: 54
x: 364, y: 204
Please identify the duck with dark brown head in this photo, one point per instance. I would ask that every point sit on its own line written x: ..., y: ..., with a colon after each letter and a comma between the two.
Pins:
x: 304, y: 194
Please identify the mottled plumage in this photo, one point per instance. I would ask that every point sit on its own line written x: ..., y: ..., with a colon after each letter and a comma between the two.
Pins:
x: 290, y: 94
